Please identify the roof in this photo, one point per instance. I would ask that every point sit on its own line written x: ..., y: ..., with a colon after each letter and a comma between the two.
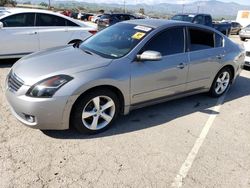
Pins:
x: 154, y: 23
x: 10, y: 11
x: 27, y: 10
x: 193, y: 14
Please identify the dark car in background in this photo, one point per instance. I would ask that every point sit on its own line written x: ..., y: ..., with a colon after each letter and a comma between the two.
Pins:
x: 204, y: 19
x: 235, y: 28
x: 245, y: 33
x: 107, y: 20
x: 86, y: 16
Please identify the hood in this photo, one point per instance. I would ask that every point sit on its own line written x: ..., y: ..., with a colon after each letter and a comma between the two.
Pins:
x: 61, y: 60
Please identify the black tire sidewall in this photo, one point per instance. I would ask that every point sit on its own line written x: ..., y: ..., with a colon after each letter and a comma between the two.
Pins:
x: 212, y: 89
x: 76, y: 117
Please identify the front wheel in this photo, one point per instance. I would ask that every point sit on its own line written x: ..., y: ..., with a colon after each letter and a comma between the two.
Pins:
x: 95, y: 112
x: 221, y: 82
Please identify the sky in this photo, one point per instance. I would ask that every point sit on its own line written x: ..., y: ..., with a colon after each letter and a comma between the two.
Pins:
x: 243, y: 2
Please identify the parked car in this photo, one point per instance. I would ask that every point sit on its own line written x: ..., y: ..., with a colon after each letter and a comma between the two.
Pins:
x: 121, y: 68
x: 107, y: 20
x: 95, y: 18
x: 24, y: 31
x: 235, y: 28
x: 247, y: 58
x: 86, y: 16
x: 245, y: 33
x: 204, y: 19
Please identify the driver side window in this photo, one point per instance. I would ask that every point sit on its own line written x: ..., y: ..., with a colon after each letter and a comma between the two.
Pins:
x: 168, y: 42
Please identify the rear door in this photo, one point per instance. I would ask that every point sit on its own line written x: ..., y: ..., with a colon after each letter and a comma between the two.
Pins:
x: 154, y: 79
x: 18, y: 37
x: 53, y: 30
x: 206, y: 52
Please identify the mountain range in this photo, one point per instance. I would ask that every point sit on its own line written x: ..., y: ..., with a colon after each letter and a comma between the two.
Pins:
x: 213, y: 7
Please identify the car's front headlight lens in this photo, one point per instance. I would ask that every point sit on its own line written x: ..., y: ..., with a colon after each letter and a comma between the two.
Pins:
x: 48, y: 87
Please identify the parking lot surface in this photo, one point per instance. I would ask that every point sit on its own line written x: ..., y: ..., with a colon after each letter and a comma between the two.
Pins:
x: 196, y: 141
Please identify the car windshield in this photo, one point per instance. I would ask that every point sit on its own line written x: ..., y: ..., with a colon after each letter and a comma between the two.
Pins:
x: 186, y: 18
x: 116, y: 41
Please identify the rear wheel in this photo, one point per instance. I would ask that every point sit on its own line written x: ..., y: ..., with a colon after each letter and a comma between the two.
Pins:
x: 221, y: 82
x: 242, y: 39
x: 95, y: 112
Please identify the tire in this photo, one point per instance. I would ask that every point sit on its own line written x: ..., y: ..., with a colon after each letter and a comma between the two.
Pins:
x: 242, y: 39
x: 219, y: 87
x: 97, y: 119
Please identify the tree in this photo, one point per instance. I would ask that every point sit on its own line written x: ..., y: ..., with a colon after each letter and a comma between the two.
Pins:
x: 142, y: 11
x: 8, y: 2
x: 44, y: 4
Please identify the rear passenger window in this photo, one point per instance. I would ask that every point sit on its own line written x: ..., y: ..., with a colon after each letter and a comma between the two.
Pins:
x: 201, y: 39
x: 19, y: 20
x: 218, y: 40
x: 168, y: 42
x: 50, y: 20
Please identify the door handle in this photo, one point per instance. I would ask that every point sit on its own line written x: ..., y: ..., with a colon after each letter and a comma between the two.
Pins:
x: 32, y: 33
x: 181, y: 66
x: 220, y: 56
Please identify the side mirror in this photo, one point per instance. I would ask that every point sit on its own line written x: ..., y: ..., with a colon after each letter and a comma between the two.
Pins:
x: 149, y: 56
x: 1, y: 25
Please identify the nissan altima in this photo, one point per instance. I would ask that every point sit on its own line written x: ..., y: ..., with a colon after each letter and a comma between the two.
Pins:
x: 126, y: 66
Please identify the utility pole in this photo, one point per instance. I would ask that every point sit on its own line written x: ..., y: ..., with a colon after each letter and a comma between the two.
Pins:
x: 183, y: 6
x: 124, y: 6
x: 198, y: 8
x: 49, y: 4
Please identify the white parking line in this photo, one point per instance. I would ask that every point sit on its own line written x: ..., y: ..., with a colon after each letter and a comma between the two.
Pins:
x: 178, y: 181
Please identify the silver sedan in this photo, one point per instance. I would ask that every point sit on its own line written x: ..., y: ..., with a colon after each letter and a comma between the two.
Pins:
x: 126, y: 66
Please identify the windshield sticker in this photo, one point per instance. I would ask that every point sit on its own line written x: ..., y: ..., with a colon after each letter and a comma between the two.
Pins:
x: 138, y: 35
x: 143, y: 28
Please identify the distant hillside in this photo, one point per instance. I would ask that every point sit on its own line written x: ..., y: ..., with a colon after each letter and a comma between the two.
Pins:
x: 215, y: 8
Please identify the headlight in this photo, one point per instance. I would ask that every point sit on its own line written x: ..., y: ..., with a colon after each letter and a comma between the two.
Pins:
x: 48, y: 87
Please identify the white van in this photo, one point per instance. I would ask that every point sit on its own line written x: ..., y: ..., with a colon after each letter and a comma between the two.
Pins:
x: 243, y: 17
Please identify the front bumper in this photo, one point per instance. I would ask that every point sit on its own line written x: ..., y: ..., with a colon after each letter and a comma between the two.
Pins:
x: 47, y: 113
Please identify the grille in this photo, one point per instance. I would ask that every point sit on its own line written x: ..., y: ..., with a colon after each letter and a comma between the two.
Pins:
x: 14, y: 82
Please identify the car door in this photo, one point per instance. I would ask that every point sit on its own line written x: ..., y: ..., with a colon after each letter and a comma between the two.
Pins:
x: 154, y: 79
x: 52, y: 31
x: 206, y: 52
x: 18, y: 35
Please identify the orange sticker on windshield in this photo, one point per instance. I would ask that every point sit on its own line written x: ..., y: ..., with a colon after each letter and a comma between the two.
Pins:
x: 138, y: 35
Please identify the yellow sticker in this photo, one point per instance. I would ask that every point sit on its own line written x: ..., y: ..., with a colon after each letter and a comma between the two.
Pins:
x: 138, y: 35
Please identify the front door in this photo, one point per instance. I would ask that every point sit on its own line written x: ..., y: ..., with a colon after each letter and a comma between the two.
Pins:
x: 154, y: 79
x: 18, y: 37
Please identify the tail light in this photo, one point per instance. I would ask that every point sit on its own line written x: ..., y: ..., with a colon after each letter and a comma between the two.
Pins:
x: 93, y: 32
